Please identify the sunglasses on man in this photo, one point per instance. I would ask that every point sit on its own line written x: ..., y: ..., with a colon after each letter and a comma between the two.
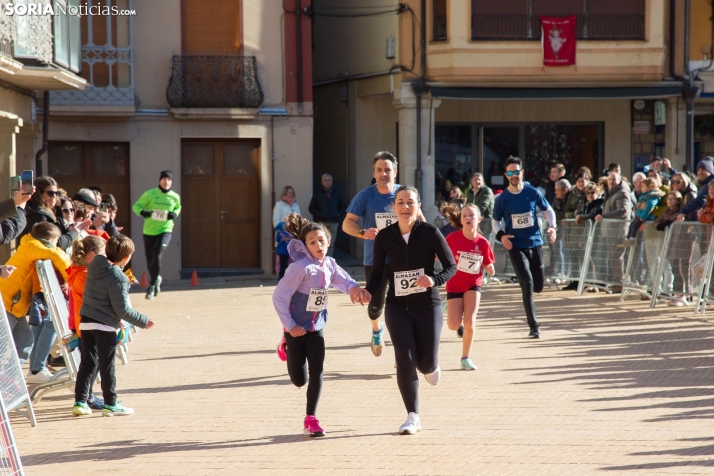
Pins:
x: 511, y: 173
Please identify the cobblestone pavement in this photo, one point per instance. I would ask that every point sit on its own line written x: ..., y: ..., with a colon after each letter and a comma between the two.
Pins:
x: 610, y: 388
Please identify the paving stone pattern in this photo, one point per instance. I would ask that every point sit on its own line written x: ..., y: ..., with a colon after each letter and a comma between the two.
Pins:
x: 611, y: 387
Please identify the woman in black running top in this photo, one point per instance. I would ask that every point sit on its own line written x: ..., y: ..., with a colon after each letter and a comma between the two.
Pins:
x: 413, y: 311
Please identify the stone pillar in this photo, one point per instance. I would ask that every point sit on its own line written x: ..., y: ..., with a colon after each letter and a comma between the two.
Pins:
x: 676, y: 137
x: 405, y: 103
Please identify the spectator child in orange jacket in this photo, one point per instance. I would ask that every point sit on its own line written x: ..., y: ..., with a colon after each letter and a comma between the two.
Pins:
x: 706, y: 214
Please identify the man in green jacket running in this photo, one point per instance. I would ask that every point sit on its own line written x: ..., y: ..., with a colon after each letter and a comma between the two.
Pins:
x: 159, y: 206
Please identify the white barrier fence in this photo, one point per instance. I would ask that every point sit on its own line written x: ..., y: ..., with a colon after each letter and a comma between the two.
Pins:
x: 674, y: 264
x: 12, y: 382
x: 10, y: 464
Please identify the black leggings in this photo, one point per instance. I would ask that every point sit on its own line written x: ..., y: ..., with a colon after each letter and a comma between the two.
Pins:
x: 528, y: 264
x: 415, y: 335
x: 154, y: 247
x: 307, y: 353
x: 376, y: 304
x: 98, y: 349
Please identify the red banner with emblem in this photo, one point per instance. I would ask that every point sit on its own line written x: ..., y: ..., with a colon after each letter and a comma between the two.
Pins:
x: 558, y: 40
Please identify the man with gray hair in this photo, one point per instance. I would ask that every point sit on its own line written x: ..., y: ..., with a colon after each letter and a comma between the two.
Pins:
x: 328, y: 207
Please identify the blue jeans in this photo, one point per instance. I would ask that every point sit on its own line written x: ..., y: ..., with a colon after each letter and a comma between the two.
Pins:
x: 44, y: 338
x: 22, y: 335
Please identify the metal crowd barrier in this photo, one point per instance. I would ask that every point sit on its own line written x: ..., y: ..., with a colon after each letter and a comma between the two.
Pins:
x: 643, y: 261
x: 603, y: 266
x: 566, y: 256
x: 503, y: 267
x: 10, y: 464
x: 12, y: 382
x: 685, y: 263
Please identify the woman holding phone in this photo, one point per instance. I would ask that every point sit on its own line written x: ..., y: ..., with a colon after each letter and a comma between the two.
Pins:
x: 413, y: 310
x: 41, y: 207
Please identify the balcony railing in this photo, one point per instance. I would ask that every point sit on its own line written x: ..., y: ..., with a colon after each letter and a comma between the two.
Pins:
x: 214, y: 81
x: 527, y: 27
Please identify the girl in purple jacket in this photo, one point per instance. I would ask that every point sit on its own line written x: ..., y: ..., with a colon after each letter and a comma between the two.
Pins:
x: 300, y: 300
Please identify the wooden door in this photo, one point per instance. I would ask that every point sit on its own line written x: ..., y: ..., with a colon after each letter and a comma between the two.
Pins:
x: 221, y: 204
x: 240, y: 206
x: 104, y: 165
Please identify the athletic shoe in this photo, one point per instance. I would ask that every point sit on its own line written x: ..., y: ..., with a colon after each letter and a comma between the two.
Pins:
x: 411, y: 426
x: 56, y: 361
x: 629, y: 242
x: 460, y: 331
x: 467, y: 364
x: 377, y: 343
x: 573, y: 286
x: 311, y: 427
x: 43, y: 376
x: 281, y: 350
x: 116, y: 409
x: 150, y: 293
x: 434, y: 377
x: 95, y: 403
x: 157, y: 288
x: 81, y: 408
x: 534, y: 333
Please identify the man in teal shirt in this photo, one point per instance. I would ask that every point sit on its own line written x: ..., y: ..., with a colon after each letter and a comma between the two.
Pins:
x: 159, y: 206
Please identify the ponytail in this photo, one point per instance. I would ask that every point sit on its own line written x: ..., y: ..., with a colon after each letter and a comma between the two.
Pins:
x: 88, y: 244
x: 298, y: 227
x: 453, y: 213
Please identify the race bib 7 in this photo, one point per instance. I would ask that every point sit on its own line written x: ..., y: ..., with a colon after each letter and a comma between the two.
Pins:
x: 469, y: 263
x: 317, y: 300
x: 405, y: 282
x: 522, y: 220
x: 385, y: 219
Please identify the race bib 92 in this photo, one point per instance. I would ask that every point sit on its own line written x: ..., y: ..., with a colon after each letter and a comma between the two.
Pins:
x: 317, y: 300
x: 522, y: 220
x: 385, y: 219
x: 405, y: 282
x: 159, y: 215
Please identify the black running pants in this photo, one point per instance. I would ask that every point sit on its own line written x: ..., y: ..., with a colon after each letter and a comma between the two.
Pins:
x: 528, y: 265
x: 306, y: 355
x: 154, y: 247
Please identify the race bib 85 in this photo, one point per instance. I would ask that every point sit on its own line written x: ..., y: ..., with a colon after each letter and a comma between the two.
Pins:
x: 317, y: 300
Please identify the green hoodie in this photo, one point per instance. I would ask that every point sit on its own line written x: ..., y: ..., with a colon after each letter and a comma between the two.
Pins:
x: 156, y: 200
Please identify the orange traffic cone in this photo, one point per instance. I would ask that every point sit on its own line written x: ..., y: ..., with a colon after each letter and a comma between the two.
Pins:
x: 144, y: 280
x: 194, y: 278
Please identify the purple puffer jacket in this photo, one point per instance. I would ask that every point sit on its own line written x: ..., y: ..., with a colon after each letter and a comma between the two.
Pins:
x: 291, y: 294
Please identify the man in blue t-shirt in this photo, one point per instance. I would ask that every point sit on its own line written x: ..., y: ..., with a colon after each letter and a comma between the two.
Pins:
x: 373, y: 206
x: 521, y: 236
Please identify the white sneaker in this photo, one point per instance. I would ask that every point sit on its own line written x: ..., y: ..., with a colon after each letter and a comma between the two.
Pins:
x: 42, y: 376
x: 434, y: 377
x: 411, y: 426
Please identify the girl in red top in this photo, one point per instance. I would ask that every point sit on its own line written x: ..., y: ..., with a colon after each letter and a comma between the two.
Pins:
x: 472, y: 253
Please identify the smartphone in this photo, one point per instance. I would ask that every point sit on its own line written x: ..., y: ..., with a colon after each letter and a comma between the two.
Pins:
x: 14, y: 185
x: 28, y: 178
x: 104, y: 207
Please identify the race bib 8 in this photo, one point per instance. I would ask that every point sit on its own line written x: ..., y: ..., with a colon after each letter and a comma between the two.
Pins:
x: 317, y: 300
x: 405, y: 282
x: 160, y: 215
x: 385, y: 219
x: 522, y: 220
x: 469, y: 263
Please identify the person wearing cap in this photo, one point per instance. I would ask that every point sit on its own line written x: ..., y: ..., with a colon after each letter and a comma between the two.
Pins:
x: 159, y: 206
x: 705, y: 174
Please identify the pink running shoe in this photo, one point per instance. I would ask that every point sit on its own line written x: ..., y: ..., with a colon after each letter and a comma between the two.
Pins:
x: 280, y: 350
x: 312, y: 427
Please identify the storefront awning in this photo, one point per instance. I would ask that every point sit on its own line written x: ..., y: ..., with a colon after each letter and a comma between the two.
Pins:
x: 651, y: 92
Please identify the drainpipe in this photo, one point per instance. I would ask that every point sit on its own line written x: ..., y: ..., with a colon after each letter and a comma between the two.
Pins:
x: 690, y: 91
x: 45, y: 134
x: 298, y: 29
x: 419, y: 89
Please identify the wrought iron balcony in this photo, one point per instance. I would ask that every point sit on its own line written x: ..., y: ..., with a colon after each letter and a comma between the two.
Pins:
x: 214, y: 81
x: 527, y: 27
